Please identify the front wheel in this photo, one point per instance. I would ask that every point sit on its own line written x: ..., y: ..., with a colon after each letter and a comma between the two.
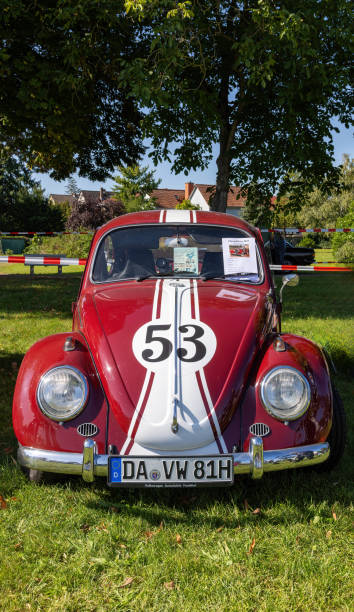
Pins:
x: 337, y: 436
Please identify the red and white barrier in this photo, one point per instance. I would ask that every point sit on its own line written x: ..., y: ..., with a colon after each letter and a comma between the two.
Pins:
x: 316, y: 230
x: 54, y: 261
x: 310, y: 268
x: 68, y: 261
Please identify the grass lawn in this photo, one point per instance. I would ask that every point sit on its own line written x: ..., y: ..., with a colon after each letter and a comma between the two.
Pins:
x: 282, y: 544
x: 326, y: 255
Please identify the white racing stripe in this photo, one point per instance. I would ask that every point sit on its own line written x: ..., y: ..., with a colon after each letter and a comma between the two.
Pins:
x: 178, y: 216
x: 175, y: 396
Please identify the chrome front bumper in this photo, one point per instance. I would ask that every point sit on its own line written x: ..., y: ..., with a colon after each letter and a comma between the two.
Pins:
x: 89, y: 464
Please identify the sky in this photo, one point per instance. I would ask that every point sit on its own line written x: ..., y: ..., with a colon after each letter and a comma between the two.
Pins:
x: 343, y: 143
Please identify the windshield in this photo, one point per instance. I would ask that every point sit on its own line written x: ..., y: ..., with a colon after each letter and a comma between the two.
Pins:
x: 202, y: 251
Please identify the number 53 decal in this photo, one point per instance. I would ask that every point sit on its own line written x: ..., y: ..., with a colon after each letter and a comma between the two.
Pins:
x: 156, y: 342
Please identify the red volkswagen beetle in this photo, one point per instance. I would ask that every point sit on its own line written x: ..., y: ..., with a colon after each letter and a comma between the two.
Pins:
x: 176, y: 374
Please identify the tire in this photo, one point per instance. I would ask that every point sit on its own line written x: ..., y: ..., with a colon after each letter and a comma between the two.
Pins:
x: 337, y: 435
x: 32, y: 475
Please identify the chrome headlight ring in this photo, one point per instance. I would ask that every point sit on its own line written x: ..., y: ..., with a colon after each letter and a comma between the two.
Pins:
x: 285, y: 393
x: 62, y: 393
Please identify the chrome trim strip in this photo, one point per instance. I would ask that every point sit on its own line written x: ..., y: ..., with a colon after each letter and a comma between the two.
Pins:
x: 89, y: 464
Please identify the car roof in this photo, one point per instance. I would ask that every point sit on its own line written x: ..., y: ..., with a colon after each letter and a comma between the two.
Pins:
x: 178, y: 217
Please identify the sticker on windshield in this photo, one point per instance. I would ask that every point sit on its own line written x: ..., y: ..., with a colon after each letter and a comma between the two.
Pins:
x: 239, y: 255
x: 185, y: 259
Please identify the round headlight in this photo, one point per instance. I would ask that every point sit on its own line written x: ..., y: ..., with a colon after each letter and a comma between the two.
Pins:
x: 285, y: 393
x: 62, y: 393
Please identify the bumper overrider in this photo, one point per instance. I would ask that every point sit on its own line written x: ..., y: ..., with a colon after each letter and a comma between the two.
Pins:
x: 89, y: 463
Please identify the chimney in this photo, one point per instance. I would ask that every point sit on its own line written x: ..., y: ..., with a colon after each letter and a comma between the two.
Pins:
x: 188, y: 188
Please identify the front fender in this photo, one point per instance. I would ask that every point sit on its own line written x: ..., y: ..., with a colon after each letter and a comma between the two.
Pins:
x: 32, y: 427
x: 314, y: 426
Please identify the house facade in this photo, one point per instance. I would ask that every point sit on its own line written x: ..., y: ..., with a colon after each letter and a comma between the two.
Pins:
x: 86, y: 195
x: 197, y: 193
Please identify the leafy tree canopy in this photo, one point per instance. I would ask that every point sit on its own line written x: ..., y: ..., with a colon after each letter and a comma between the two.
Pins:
x: 60, y: 102
x: 23, y: 206
x: 71, y: 186
x: 186, y: 204
x: 134, y: 186
x: 262, y: 79
x: 321, y: 210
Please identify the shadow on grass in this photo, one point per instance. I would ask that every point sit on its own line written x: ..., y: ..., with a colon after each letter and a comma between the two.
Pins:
x: 25, y: 294
x: 282, y: 498
x: 321, y: 295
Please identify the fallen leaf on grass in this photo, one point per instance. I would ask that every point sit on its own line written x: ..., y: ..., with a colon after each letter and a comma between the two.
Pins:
x: 150, y: 534
x: 334, y: 516
x: 253, y: 543
x: 169, y: 585
x: 18, y: 545
x: 329, y: 534
x: 256, y: 511
x: 127, y: 582
x: 122, y: 545
x: 102, y: 527
x: 178, y: 539
x: 3, y: 503
x: 220, y: 528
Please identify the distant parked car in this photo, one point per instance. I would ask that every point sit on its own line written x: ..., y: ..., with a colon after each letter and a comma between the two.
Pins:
x: 298, y: 256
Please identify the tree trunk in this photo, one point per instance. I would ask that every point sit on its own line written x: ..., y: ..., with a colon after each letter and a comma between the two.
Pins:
x: 219, y: 201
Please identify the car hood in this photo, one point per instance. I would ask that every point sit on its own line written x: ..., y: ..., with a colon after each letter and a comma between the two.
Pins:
x: 171, y: 353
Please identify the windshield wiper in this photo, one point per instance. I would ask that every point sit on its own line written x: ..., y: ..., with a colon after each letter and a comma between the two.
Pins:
x: 145, y: 276
x: 212, y: 275
x: 233, y: 276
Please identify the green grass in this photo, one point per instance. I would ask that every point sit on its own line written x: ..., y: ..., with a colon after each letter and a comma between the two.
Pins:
x: 325, y: 255
x: 69, y: 546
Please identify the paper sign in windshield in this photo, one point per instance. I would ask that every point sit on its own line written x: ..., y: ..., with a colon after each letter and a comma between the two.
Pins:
x: 239, y: 255
x: 185, y: 259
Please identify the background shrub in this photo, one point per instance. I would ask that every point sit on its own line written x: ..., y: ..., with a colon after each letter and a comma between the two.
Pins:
x: 74, y: 245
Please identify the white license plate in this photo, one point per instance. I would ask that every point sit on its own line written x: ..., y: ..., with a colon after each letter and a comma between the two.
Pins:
x: 170, y: 471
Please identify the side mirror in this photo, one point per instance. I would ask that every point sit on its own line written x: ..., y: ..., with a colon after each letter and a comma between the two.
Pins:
x: 292, y: 280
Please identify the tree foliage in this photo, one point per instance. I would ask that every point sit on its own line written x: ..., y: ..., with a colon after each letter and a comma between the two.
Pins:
x: 90, y: 213
x: 323, y: 210
x: 71, y: 186
x: 60, y: 102
x: 186, y: 204
x: 262, y: 79
x: 133, y: 187
x: 23, y: 206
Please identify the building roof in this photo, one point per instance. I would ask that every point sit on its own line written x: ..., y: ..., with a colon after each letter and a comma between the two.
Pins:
x: 232, y: 200
x: 95, y: 195
x: 59, y: 198
x: 168, y: 198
